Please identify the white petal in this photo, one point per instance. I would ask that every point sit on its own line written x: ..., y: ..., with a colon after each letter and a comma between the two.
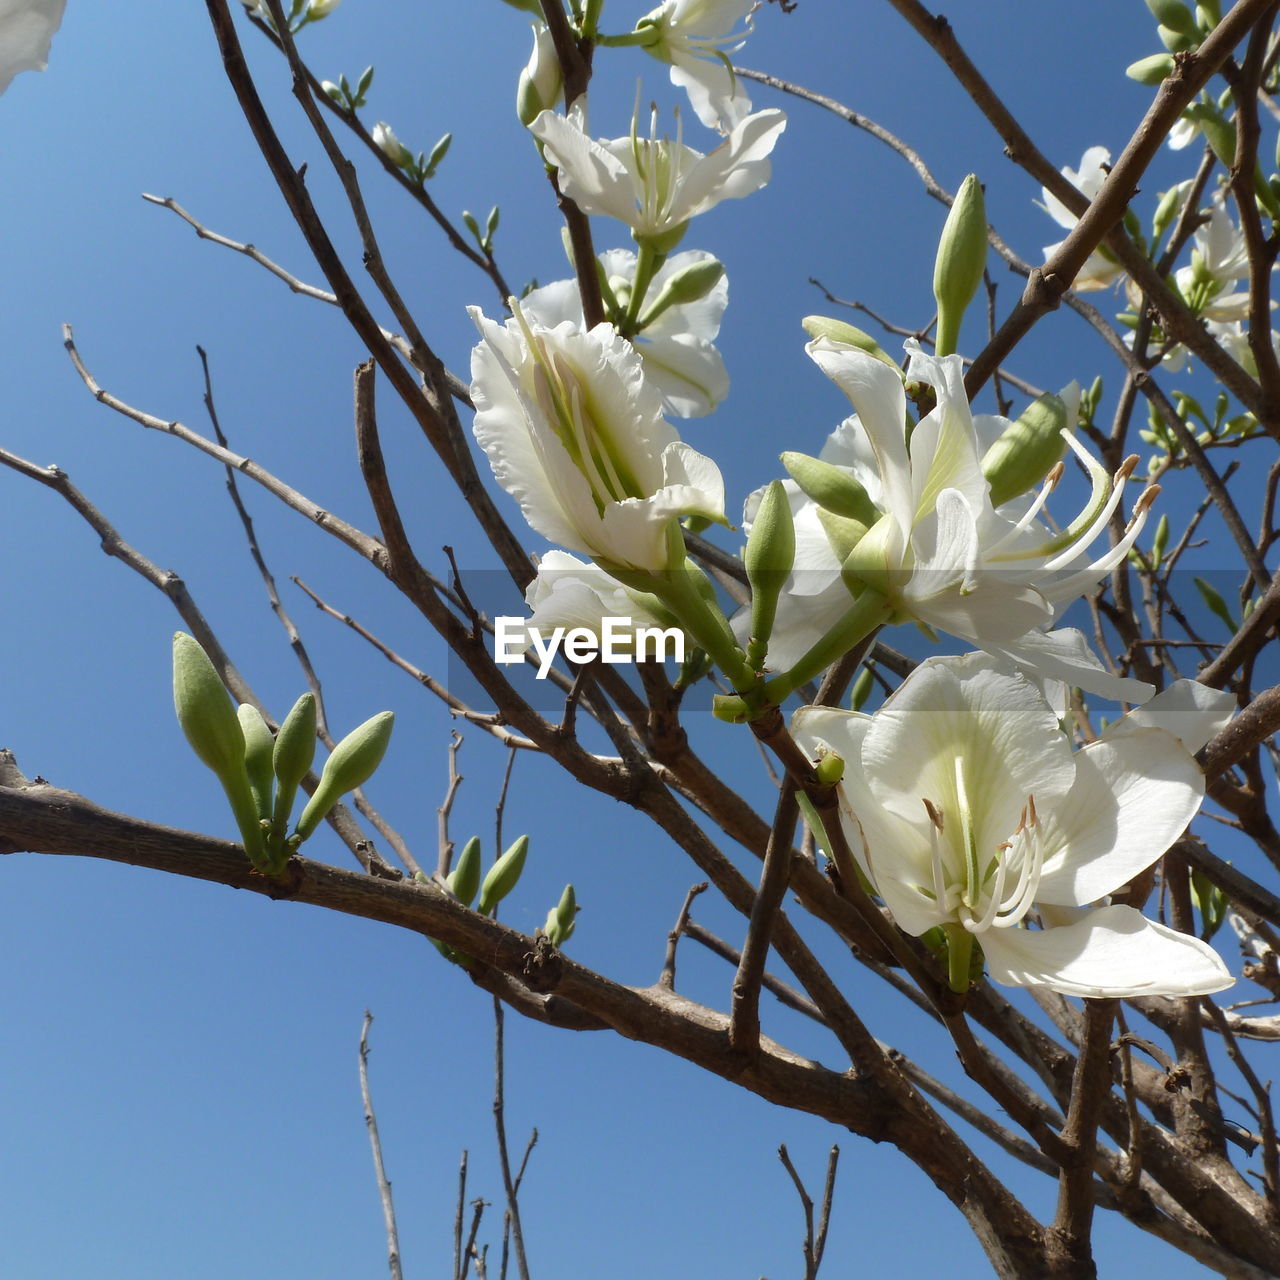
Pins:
x: 1064, y: 655
x: 589, y: 174
x: 996, y: 725
x: 1133, y: 797
x: 715, y: 94
x: 875, y: 391
x: 1189, y: 710
x: 688, y: 372
x: 1112, y: 952
x: 26, y: 31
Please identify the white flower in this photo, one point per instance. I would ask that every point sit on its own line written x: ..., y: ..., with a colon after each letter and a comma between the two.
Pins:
x: 1100, y: 269
x: 655, y: 185
x: 695, y: 36
x: 385, y: 140
x: 576, y: 435
x: 940, y: 553
x: 966, y: 808
x: 1219, y: 256
x: 677, y: 349
x: 26, y: 31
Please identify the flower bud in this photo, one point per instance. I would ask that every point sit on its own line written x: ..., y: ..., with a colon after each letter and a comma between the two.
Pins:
x: 204, y: 711
x: 391, y: 146
x: 831, y: 487
x: 1168, y: 209
x: 1027, y: 449
x: 962, y: 257
x: 258, y: 748
x: 1160, y: 541
x: 770, y: 552
x: 830, y: 769
x: 541, y: 82
x: 1177, y: 41
x: 503, y: 876
x: 861, y: 689
x: 1150, y: 70
x: 1175, y: 15
x: 464, y: 879
x: 295, y: 745
x: 843, y: 533
x: 561, y: 918
x: 689, y: 284
x: 213, y: 730
x: 850, y: 335
x: 350, y: 765
x: 318, y: 9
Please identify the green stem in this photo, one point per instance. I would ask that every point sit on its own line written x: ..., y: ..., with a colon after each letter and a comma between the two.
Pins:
x: 648, y: 263
x: 959, y: 956
x: 870, y: 610
x: 706, y: 624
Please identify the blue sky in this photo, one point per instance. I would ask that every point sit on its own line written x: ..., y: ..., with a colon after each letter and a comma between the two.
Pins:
x: 180, y: 1065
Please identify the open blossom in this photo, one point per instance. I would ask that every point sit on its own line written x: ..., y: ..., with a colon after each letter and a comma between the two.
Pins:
x: 695, y: 36
x: 575, y: 434
x: 26, y: 31
x: 1100, y: 269
x: 940, y: 552
x: 677, y: 349
x: 655, y: 185
x: 967, y: 809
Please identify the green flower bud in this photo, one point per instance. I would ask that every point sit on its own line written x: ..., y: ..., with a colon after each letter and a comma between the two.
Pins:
x: 961, y: 260
x: 1177, y: 41
x: 560, y: 919
x: 770, y: 552
x: 1216, y: 604
x: 830, y: 769
x: 861, y: 689
x: 204, y: 711
x: 1208, y: 15
x: 1167, y: 210
x: 1160, y: 541
x: 258, y: 748
x: 1218, y: 131
x: 1175, y: 15
x: 503, y: 876
x: 850, y: 335
x: 831, y: 487
x: 385, y: 140
x: 843, y: 533
x: 689, y: 284
x: 350, y: 765
x: 1027, y: 449
x: 213, y: 730
x: 464, y: 879
x: 295, y: 748
x: 1150, y: 70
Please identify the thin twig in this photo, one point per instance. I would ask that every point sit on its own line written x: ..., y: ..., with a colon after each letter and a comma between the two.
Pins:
x: 384, y: 1185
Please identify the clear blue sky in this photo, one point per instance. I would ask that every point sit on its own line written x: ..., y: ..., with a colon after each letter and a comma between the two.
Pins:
x: 179, y: 1065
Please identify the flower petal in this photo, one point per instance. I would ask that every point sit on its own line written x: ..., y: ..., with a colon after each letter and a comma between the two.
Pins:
x: 1189, y: 710
x: 1113, y: 952
x: 1133, y: 797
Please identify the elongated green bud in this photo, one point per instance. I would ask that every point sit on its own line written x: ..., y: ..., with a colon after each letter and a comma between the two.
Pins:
x: 1220, y: 132
x: 204, y: 710
x: 1160, y: 541
x: 1027, y: 449
x: 464, y: 879
x: 962, y: 257
x: 1217, y: 605
x: 770, y: 552
x: 213, y: 730
x: 1150, y: 70
x: 295, y: 745
x: 861, y: 689
x: 689, y: 284
x: 831, y: 487
x: 560, y: 919
x: 258, y: 748
x: 349, y: 766
x: 503, y: 876
x: 1174, y: 14
x: 1168, y: 209
x: 1177, y: 41
x: 850, y: 335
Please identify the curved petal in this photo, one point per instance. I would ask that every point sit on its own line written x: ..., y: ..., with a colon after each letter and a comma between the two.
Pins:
x: 715, y: 93
x: 1112, y: 953
x: 1064, y: 655
x: 687, y: 371
x: 26, y: 31
x: 875, y: 391
x: 1133, y: 797
x: 1189, y: 710
x: 589, y: 174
